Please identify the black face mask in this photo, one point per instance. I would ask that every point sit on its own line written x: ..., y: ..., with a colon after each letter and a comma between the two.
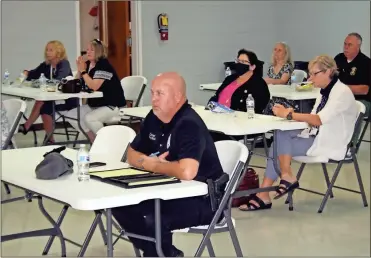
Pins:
x: 241, y: 68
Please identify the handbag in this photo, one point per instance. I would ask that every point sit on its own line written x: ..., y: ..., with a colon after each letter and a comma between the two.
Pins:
x: 71, y: 86
x: 249, y: 181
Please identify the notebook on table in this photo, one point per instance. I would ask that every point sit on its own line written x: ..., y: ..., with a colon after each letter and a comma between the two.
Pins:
x: 133, y: 178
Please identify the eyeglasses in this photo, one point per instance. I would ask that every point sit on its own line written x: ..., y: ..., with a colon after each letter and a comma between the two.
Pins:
x: 242, y: 61
x: 315, y: 73
x: 98, y: 41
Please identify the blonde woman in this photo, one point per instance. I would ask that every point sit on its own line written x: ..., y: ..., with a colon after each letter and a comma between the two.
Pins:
x: 331, y: 125
x: 55, y: 66
x: 279, y: 72
x: 282, y: 66
x: 98, y: 74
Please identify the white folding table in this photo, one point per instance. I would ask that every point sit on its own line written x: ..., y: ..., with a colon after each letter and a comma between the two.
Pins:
x: 29, y: 92
x: 277, y: 91
x: 18, y: 169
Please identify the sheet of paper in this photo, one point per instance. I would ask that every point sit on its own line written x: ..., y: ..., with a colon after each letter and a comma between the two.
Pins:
x: 149, y: 182
x: 110, y: 166
x: 118, y: 172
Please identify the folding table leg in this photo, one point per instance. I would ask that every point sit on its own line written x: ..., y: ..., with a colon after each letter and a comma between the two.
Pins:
x: 109, y: 233
x: 98, y: 216
x: 158, y: 236
x: 55, y: 225
x: 101, y: 228
x: 59, y: 223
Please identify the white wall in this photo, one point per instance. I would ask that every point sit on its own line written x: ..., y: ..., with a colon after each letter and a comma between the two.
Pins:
x: 87, y: 23
x: 320, y: 27
x: 28, y: 25
x: 204, y: 34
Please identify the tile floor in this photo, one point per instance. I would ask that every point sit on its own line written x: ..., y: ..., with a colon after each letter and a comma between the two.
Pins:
x: 342, y: 230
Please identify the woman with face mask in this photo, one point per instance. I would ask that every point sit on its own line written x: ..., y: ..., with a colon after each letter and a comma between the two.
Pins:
x: 236, y: 87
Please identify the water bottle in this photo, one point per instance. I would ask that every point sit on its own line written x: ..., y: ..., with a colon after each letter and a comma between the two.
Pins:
x: 6, y: 80
x: 83, y: 160
x: 42, y: 81
x: 228, y: 72
x: 250, y: 107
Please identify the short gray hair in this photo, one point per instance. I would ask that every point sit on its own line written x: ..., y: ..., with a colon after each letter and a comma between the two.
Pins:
x: 357, y: 35
x: 324, y: 62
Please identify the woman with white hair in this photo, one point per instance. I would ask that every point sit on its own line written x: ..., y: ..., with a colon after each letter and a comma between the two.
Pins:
x: 282, y: 66
x: 331, y: 125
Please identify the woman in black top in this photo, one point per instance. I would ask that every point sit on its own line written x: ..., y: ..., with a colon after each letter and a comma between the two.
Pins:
x: 57, y: 67
x: 236, y: 87
x: 98, y: 74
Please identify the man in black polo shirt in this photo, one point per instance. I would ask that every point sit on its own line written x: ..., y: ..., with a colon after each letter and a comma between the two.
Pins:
x: 355, y: 67
x: 187, y: 152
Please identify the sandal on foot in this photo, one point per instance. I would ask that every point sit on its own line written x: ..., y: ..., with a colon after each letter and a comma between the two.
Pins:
x: 253, y: 206
x: 288, y: 187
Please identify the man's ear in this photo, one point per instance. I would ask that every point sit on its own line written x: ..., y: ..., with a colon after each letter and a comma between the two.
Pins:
x: 178, y: 97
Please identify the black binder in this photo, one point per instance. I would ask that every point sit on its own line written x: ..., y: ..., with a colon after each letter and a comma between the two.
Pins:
x: 133, y: 178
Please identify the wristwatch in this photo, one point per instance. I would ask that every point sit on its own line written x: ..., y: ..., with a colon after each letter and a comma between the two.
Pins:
x: 289, y: 116
x: 83, y: 72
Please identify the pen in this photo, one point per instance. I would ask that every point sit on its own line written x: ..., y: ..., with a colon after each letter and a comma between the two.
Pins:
x: 154, y: 154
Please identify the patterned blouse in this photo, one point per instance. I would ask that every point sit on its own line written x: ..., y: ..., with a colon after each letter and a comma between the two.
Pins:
x: 287, y: 68
x: 4, y: 126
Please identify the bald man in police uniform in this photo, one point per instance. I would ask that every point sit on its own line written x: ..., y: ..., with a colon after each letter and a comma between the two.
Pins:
x: 187, y: 152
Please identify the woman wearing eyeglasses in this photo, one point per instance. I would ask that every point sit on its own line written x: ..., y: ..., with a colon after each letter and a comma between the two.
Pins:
x: 331, y: 125
x: 235, y: 88
x: 98, y: 75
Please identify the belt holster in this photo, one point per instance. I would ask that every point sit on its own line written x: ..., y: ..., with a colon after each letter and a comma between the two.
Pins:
x: 216, y: 189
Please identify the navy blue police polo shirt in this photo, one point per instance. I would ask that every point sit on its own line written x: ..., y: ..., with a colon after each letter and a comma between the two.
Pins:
x: 356, y: 72
x: 185, y: 137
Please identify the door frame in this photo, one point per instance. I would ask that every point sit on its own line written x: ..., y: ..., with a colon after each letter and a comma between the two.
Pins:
x: 78, y: 29
x: 136, y: 35
x: 136, y: 38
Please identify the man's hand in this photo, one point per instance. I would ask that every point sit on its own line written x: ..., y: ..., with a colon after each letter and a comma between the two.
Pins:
x: 281, y: 111
x: 149, y: 163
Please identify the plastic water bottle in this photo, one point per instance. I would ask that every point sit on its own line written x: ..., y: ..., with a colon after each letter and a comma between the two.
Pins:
x: 42, y: 81
x: 250, y: 107
x: 293, y: 79
x: 6, y: 80
x: 83, y: 161
x: 228, y: 72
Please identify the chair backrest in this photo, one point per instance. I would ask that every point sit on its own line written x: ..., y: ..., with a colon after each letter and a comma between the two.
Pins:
x: 112, y: 141
x: 133, y: 87
x: 298, y: 76
x: 233, y: 157
x: 358, y: 124
x: 15, y: 109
